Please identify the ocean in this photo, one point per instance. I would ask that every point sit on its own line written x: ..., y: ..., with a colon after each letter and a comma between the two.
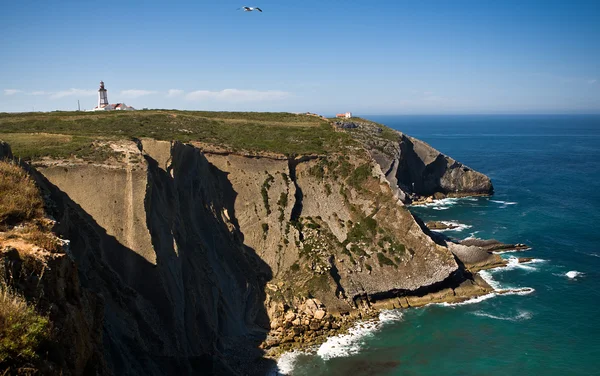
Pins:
x: 546, y: 175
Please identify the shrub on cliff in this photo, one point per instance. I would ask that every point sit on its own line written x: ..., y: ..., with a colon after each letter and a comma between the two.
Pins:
x: 20, y: 199
x: 22, y: 330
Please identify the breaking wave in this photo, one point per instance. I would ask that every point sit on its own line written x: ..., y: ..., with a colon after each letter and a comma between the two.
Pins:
x: 521, y: 316
x: 286, y: 363
x: 512, y: 251
x: 457, y: 226
x: 574, y: 274
x: 503, y: 204
x: 351, y: 343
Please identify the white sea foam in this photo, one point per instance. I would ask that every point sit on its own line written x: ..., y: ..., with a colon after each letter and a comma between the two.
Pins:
x: 511, y: 251
x: 352, y: 342
x: 472, y: 235
x: 349, y: 343
x: 518, y: 291
x: 513, y: 263
x: 285, y: 363
x: 503, y: 204
x: 478, y: 299
x: 574, y: 274
x: 593, y: 254
x: 388, y: 315
x: 521, y: 316
x: 441, y: 208
x: 440, y: 202
x: 487, y: 276
x: 457, y: 226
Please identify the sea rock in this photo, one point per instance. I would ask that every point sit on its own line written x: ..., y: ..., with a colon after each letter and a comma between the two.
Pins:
x: 437, y: 225
x: 493, y: 245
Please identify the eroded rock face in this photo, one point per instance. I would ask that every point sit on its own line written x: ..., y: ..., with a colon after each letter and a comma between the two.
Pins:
x: 200, y: 254
x: 414, y: 169
x: 186, y: 292
x: 51, y: 281
x: 425, y: 171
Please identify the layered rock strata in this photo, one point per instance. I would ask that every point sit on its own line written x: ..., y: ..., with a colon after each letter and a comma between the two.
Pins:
x: 206, y: 257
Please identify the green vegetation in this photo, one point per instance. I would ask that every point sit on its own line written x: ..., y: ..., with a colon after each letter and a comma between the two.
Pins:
x: 22, y: 330
x: 36, y: 145
x: 368, y: 267
x: 265, y: 228
x: 283, y: 201
x: 383, y: 260
x: 317, y: 171
x: 359, y: 175
x: 295, y: 267
x: 265, y: 191
x: 358, y: 251
x: 20, y: 199
x: 363, y: 230
x: 62, y: 134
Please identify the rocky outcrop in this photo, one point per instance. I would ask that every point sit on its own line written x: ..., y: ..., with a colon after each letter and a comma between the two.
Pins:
x: 492, y: 245
x: 5, y: 152
x: 414, y: 169
x: 438, y: 225
x: 50, y: 281
x: 420, y: 170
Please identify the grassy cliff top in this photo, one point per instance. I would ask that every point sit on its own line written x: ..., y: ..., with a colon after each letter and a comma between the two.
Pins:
x: 64, y: 134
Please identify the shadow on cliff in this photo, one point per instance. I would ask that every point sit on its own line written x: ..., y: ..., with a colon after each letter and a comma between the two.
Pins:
x: 200, y: 309
x: 414, y: 175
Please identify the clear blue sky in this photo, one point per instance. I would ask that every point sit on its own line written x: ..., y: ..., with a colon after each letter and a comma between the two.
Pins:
x: 369, y: 57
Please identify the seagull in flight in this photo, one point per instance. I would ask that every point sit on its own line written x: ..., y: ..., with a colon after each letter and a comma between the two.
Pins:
x: 250, y: 9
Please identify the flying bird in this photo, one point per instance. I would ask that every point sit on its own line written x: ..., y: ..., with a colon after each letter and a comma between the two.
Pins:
x: 250, y: 9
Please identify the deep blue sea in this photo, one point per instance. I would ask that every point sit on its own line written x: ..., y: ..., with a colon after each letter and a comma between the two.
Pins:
x: 546, y: 175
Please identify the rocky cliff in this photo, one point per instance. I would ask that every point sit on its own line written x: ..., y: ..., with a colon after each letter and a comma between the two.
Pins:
x: 206, y: 257
x: 417, y: 170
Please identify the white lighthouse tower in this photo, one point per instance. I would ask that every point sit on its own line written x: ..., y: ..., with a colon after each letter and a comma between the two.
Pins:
x: 102, y: 96
x: 103, y: 104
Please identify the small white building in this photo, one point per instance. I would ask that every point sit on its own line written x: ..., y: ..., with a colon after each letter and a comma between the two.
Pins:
x: 103, y: 104
x: 346, y: 115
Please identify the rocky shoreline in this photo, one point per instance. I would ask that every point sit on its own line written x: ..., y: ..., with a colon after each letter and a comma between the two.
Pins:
x: 310, y: 325
x: 306, y: 330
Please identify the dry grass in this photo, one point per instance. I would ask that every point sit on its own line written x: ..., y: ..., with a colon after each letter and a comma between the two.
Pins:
x: 20, y: 199
x: 22, y: 330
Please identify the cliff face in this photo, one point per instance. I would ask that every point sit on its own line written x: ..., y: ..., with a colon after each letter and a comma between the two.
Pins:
x: 415, y: 169
x: 425, y: 171
x: 50, y: 280
x: 157, y: 242
x: 202, y: 254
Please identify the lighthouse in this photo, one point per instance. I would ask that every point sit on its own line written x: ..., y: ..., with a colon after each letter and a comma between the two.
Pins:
x: 103, y: 104
x: 102, y: 96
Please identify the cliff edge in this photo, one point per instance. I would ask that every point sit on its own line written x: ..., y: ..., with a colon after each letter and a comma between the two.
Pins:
x: 415, y: 169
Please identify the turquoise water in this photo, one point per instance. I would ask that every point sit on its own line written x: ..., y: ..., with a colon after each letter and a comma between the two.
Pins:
x: 546, y: 174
